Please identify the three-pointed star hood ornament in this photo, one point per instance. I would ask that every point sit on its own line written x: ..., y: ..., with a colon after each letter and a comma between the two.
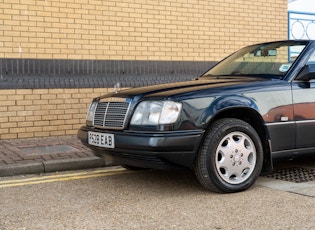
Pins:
x: 117, y: 87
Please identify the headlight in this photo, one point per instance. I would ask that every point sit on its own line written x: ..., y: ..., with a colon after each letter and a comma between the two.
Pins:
x: 90, y: 113
x: 156, y: 112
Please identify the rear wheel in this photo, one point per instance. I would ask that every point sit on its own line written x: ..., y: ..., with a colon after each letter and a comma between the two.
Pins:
x: 230, y: 158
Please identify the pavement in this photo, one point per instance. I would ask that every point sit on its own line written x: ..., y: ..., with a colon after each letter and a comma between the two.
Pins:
x: 44, y: 155
x: 66, y: 153
x: 292, y: 175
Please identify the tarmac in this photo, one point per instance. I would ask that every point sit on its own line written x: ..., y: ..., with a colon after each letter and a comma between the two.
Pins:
x: 67, y: 153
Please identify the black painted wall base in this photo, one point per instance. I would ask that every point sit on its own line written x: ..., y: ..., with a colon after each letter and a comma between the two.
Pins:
x: 46, y: 74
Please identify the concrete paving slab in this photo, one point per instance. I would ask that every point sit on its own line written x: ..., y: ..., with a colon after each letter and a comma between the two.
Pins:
x: 306, y: 188
x: 307, y: 192
x: 48, y: 149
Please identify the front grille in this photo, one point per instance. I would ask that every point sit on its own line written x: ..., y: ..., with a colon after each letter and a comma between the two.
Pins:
x: 111, y: 115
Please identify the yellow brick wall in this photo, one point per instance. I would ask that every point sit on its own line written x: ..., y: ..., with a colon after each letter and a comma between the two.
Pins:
x: 166, y: 30
x: 44, y: 112
x: 200, y: 30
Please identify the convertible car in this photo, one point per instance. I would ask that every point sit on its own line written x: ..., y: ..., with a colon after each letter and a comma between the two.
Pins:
x: 227, y: 125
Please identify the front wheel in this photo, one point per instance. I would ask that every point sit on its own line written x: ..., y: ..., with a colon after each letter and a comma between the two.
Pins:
x: 230, y: 158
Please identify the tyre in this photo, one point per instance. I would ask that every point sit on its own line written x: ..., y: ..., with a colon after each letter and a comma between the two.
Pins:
x: 230, y: 158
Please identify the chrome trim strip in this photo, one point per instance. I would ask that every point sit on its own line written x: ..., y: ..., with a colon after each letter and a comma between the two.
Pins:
x: 306, y: 121
x: 113, y: 99
x: 105, y: 113
x: 280, y: 123
x: 289, y: 122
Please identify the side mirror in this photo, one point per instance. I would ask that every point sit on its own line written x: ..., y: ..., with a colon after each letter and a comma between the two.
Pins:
x: 307, y: 73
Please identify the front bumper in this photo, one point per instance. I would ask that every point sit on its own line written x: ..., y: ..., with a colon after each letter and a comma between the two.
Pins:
x: 149, y: 150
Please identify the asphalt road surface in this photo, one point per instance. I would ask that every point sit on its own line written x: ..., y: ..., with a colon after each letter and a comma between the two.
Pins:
x: 115, y: 198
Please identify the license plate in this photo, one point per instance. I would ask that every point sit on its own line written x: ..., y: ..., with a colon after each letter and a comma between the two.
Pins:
x: 105, y: 140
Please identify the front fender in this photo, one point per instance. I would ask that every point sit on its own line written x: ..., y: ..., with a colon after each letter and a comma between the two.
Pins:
x: 228, y: 102
x: 198, y: 112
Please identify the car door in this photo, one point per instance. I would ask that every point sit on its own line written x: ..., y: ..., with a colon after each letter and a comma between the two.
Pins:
x: 304, y: 110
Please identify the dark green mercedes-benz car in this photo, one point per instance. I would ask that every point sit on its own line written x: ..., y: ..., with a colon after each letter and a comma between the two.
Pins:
x: 227, y: 125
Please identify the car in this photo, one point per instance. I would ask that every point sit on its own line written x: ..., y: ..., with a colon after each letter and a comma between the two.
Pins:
x: 228, y: 125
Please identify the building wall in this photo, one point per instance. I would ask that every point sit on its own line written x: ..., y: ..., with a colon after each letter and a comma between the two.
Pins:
x: 29, y: 113
x: 124, y: 31
x: 136, y: 30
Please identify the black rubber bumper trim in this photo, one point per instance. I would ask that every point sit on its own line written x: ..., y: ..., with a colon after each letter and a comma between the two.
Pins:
x: 173, y: 148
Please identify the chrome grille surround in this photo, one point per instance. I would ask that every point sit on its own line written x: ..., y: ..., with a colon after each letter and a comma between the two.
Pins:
x: 111, y: 114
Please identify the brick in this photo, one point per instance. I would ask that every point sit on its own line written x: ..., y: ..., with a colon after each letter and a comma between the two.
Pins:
x: 57, y: 133
x: 65, y: 127
x: 24, y: 113
x: 76, y: 106
x: 32, y: 107
x: 56, y: 122
x: 10, y: 11
x: 26, y: 124
x: 8, y: 136
x: 40, y: 102
x: 4, y: 119
x: 34, y: 129
x: 7, y: 92
x: 34, y: 118
x: 8, y: 114
x: 16, y: 119
x: 72, y: 111
x: 3, y: 97
x: 78, y: 96
x: 40, y: 113
x: 8, y: 125
x: 3, y: 108
x: 49, y: 117
x: 24, y: 91
x: 41, y: 134
x: 26, y: 135
x: 63, y: 106
x: 40, y: 123
x: 24, y: 102
x: 65, y: 116
x: 73, y: 121
x: 17, y: 130
x: 72, y: 101
x: 57, y: 111
x: 64, y: 96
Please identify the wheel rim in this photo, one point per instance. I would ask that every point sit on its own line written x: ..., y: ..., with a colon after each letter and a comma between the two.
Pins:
x: 235, y: 157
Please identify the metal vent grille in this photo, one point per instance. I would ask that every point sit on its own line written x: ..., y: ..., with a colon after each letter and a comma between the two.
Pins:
x: 111, y: 115
x: 297, y: 175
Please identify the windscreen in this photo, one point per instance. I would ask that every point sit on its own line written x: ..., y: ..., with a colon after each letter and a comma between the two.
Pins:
x: 268, y: 60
